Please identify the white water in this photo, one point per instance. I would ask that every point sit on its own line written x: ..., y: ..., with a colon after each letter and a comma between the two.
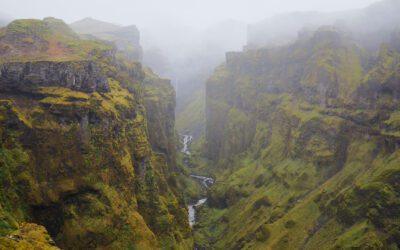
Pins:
x: 205, y: 181
x: 187, y: 139
x: 192, y: 211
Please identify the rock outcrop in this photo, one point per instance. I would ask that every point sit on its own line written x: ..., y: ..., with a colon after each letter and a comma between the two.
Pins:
x: 82, y: 76
x: 159, y: 100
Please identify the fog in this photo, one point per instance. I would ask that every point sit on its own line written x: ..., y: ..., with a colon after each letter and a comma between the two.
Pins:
x: 199, y: 13
x: 184, y: 40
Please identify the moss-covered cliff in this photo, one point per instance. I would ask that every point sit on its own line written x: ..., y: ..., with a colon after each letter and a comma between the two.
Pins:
x: 305, y: 140
x: 87, y: 146
x: 159, y: 100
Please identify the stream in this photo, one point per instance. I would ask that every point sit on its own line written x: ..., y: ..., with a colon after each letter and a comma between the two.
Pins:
x: 187, y: 139
x: 206, y: 182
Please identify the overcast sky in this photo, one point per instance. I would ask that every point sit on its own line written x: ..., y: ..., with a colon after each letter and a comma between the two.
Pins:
x: 200, y: 13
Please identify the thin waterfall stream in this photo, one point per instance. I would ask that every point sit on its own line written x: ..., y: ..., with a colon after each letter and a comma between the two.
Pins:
x: 206, y: 182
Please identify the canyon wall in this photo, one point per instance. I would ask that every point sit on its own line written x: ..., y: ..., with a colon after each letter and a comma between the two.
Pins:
x: 305, y: 141
x: 87, y: 145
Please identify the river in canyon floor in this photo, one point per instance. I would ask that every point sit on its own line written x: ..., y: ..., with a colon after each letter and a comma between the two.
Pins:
x: 206, y: 182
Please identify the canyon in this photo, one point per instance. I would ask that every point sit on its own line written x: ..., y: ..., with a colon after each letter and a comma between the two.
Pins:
x: 292, y: 142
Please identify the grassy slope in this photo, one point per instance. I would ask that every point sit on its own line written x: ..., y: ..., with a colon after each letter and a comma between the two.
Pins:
x: 191, y: 120
x: 50, y: 39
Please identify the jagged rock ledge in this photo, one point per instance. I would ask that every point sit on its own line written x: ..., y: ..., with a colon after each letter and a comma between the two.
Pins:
x: 84, y: 76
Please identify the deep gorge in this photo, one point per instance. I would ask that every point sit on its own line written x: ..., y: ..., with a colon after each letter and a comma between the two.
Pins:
x: 292, y: 142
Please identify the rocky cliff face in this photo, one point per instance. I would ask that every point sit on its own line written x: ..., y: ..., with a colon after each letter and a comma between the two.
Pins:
x: 79, y: 138
x: 159, y: 100
x: 306, y: 143
x: 321, y: 70
x: 82, y: 76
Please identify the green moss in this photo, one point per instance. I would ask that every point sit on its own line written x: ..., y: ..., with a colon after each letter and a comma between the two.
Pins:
x: 262, y: 233
x: 192, y: 118
x: 49, y: 39
x: 360, y: 235
x: 290, y: 224
x: 316, y: 151
x: 29, y: 27
x: 394, y: 121
x: 91, y: 158
x: 29, y: 236
x: 262, y: 202
x: 10, y: 160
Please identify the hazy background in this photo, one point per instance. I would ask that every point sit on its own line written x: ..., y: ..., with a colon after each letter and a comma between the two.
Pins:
x: 185, y: 40
x: 199, y: 13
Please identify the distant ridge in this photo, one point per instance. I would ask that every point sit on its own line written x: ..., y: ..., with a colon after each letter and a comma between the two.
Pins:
x: 90, y: 25
x: 126, y: 38
x: 379, y: 17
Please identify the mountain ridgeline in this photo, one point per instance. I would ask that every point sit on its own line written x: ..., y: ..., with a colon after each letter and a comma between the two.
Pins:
x: 305, y: 141
x: 126, y: 39
x: 87, y: 145
x: 371, y: 24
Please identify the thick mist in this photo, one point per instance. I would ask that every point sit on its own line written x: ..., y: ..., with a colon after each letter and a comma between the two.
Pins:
x: 361, y: 24
x: 152, y: 12
x: 173, y: 32
x: 186, y: 40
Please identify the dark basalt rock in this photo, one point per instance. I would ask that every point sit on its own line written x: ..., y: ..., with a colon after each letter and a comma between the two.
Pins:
x: 82, y: 76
